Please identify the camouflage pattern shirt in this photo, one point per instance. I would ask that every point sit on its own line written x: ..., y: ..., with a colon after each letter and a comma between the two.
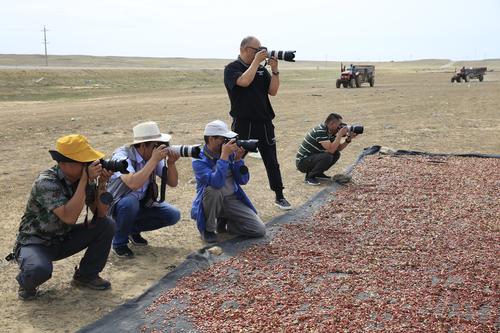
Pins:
x: 39, y: 225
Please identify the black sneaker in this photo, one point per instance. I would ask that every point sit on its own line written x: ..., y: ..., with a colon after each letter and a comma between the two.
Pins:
x: 209, y: 237
x: 26, y: 295
x: 123, y: 251
x: 312, y: 181
x: 137, y: 240
x: 282, y: 204
x: 322, y: 176
x: 95, y: 283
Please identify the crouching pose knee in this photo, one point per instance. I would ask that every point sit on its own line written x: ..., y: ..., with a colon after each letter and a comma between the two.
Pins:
x: 220, y: 204
x: 135, y: 208
x: 48, y: 229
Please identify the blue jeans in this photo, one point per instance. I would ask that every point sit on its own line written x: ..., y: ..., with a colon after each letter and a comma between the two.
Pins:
x: 132, y: 218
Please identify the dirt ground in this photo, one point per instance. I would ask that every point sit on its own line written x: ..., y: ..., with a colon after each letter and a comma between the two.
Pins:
x: 409, y: 108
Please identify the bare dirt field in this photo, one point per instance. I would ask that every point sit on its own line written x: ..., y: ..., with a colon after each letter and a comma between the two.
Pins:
x: 412, y: 106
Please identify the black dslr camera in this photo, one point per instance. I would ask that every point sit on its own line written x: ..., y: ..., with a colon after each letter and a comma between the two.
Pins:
x: 280, y: 55
x: 248, y: 145
x: 115, y: 165
x: 356, y: 129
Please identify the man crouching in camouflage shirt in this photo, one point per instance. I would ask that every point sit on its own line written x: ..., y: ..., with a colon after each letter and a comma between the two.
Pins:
x: 48, y: 229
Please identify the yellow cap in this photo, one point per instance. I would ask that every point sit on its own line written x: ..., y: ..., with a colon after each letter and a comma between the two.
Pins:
x: 76, y: 148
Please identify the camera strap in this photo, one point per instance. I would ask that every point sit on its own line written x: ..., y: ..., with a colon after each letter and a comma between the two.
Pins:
x: 151, y: 195
x: 86, y: 220
x: 163, y: 184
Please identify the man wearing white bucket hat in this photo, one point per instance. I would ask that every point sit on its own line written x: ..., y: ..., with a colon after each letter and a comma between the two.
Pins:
x: 221, y: 204
x: 135, y: 207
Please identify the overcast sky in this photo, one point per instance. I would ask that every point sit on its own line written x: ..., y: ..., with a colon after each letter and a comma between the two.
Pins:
x: 317, y: 29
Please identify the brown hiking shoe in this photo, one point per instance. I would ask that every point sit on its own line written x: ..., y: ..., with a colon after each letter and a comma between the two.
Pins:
x: 95, y: 283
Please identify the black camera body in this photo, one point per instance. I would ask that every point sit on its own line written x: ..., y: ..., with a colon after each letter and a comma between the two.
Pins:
x: 280, y: 55
x: 115, y: 165
x: 355, y: 128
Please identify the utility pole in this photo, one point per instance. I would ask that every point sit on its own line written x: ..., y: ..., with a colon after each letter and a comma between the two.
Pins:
x: 45, y: 44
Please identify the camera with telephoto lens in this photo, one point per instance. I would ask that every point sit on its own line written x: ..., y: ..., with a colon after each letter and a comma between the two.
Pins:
x: 280, y: 55
x: 357, y: 129
x: 248, y: 145
x: 186, y: 150
x: 115, y: 165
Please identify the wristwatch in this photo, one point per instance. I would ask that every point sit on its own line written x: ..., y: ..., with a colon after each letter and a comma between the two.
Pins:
x: 276, y: 73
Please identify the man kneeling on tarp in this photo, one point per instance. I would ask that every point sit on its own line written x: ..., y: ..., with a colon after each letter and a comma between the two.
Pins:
x: 221, y: 204
x: 48, y: 229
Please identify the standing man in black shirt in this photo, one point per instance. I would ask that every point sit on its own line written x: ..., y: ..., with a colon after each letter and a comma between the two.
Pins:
x: 249, y: 85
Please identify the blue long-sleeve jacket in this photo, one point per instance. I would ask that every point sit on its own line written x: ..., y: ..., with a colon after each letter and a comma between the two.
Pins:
x: 212, y: 172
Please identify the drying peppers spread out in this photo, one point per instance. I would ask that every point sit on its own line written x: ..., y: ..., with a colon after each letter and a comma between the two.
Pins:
x: 411, y: 245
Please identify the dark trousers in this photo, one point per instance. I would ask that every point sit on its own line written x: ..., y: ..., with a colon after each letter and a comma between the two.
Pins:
x: 317, y: 164
x: 264, y: 132
x: 35, y: 260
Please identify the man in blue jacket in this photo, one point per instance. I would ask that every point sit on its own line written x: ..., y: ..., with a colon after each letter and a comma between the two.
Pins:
x: 221, y: 204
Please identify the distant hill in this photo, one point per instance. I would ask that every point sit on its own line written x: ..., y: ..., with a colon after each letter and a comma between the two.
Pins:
x: 85, y: 61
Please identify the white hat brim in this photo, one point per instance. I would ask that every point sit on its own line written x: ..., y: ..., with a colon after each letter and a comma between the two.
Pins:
x: 163, y: 138
x: 229, y: 134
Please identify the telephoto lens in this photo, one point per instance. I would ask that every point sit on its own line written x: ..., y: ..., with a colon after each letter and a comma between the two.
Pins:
x: 282, y: 55
x: 357, y: 129
x: 115, y: 165
x: 248, y: 145
x: 186, y: 150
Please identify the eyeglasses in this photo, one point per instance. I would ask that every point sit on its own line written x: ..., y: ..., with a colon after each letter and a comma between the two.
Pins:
x: 256, y: 49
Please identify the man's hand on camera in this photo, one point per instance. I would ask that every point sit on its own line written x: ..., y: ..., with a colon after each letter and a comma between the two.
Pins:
x: 105, y: 176
x: 159, y: 153
x: 260, y: 56
x: 172, y: 156
x: 240, y: 154
x: 343, y: 131
x: 273, y: 62
x: 94, y: 170
x: 227, y: 149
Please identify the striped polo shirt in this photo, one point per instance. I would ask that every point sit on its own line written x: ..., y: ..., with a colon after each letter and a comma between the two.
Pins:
x: 311, y: 144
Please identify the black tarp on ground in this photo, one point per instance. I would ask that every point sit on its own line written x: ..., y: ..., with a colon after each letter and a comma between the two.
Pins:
x: 131, y: 316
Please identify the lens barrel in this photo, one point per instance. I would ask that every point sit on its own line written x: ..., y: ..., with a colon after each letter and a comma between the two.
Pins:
x: 282, y: 55
x: 357, y: 129
x: 115, y: 165
x: 248, y: 145
x: 187, y: 150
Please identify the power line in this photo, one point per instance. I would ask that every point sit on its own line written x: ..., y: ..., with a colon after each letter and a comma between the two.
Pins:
x: 45, y: 44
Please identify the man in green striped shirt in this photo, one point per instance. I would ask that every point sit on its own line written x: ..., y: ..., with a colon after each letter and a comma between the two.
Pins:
x: 321, y: 148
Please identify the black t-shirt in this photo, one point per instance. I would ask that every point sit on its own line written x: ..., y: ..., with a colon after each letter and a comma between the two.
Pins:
x: 250, y: 102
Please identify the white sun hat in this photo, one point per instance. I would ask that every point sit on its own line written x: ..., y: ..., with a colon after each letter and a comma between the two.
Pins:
x: 149, y: 131
x: 218, y: 128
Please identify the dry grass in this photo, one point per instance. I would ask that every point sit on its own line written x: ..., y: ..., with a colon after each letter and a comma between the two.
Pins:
x: 412, y: 106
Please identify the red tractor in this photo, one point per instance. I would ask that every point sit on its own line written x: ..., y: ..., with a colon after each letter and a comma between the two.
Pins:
x: 355, y: 75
